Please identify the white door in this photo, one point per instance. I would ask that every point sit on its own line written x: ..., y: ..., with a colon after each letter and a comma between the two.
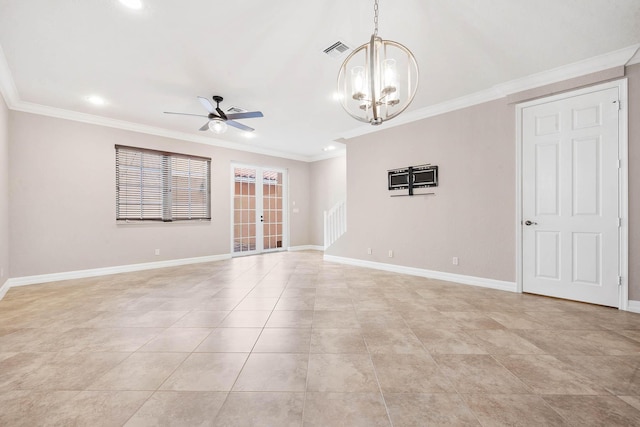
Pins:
x: 570, y: 198
x: 259, y: 218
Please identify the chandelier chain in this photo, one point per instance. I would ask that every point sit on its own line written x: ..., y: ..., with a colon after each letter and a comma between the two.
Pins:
x: 375, y: 17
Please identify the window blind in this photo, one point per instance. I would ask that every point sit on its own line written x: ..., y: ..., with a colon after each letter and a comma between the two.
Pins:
x: 160, y: 186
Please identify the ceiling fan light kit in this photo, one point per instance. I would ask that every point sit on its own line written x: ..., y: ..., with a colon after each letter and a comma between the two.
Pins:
x: 378, y: 80
x: 217, y: 126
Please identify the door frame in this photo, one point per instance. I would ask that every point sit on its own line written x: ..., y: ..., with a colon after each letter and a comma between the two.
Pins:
x: 285, y: 207
x: 623, y: 181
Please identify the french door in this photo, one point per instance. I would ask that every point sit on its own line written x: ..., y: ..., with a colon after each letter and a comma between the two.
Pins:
x: 571, y: 214
x: 259, y: 214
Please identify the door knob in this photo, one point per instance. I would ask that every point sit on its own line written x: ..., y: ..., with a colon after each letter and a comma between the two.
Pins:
x: 527, y: 222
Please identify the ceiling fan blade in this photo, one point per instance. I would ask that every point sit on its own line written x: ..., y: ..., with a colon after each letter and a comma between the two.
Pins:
x: 186, y: 114
x: 207, y: 104
x: 246, y: 115
x: 205, y: 126
x: 240, y: 126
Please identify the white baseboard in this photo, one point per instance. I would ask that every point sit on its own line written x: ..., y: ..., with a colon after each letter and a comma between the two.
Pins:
x: 80, y: 274
x: 305, y: 248
x: 633, y: 306
x: 4, y: 289
x: 430, y: 274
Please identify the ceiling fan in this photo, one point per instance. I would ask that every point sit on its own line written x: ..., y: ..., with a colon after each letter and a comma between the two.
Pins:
x: 218, y: 119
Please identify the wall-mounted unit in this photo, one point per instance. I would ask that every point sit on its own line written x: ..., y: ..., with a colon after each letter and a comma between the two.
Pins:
x: 424, y: 176
x: 409, y: 178
x: 399, y: 179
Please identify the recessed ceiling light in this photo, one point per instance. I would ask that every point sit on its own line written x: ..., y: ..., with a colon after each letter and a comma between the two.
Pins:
x: 249, y: 135
x: 96, y: 100
x: 329, y: 148
x: 132, y: 4
x: 337, y: 96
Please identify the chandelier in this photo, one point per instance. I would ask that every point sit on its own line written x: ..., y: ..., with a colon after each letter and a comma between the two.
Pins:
x: 378, y: 80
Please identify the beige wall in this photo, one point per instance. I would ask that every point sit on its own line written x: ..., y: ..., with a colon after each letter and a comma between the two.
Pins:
x: 328, y: 187
x: 472, y: 214
x: 4, y: 192
x: 63, y: 223
x: 62, y: 209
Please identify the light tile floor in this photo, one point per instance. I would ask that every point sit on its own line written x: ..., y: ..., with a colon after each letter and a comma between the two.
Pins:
x: 288, y: 340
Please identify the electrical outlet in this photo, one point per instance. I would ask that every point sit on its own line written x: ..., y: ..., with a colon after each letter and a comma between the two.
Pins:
x: 157, y: 251
x: 368, y: 251
x: 390, y: 253
x: 455, y: 260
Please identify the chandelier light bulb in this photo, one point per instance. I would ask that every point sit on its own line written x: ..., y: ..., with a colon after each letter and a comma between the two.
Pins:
x: 389, y: 74
x: 358, y: 83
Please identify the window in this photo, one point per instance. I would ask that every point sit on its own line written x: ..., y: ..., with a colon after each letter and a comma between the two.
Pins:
x: 159, y: 186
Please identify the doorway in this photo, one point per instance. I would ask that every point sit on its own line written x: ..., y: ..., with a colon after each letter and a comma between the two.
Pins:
x: 572, y: 159
x: 259, y: 218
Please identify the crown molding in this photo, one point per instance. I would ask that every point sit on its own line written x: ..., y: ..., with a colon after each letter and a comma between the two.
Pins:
x: 626, y: 56
x: 635, y: 59
x: 12, y: 99
x: 433, y: 110
x: 339, y: 152
x: 28, y: 107
x: 603, y: 62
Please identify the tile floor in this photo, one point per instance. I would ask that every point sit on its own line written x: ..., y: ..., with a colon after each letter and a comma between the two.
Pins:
x: 288, y: 340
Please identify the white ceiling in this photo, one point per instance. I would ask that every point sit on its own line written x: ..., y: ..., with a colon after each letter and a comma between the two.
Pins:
x: 267, y: 55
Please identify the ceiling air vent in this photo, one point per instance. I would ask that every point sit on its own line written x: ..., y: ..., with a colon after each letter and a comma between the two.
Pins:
x: 337, y: 49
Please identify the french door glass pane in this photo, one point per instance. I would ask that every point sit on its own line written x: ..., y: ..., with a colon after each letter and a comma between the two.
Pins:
x: 272, y: 209
x: 244, y: 210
